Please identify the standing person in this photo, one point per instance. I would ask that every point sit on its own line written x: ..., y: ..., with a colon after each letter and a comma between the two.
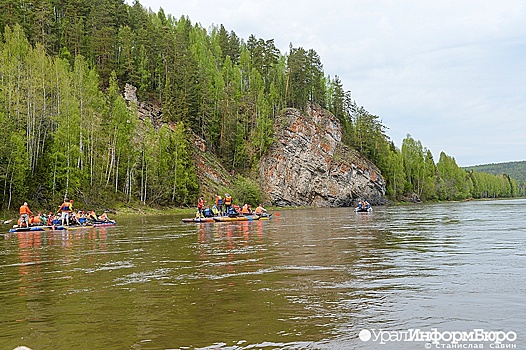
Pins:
x: 219, y: 204
x: 66, y: 208
x: 24, y: 214
x: 200, y: 205
x: 228, y: 203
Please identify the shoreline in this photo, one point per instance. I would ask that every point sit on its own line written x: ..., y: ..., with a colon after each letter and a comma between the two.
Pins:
x: 151, y: 211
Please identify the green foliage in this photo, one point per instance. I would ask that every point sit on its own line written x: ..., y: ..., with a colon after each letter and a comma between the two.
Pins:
x: 412, y: 170
x: 69, y: 131
x: 493, y: 186
x: 227, y: 91
x: 453, y: 182
x: 429, y: 177
x: 66, y: 137
x: 305, y: 79
x: 419, y: 169
x: 393, y: 172
x: 246, y: 190
x: 516, y: 170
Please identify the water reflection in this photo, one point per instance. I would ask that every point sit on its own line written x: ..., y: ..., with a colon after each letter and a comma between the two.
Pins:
x: 32, y: 247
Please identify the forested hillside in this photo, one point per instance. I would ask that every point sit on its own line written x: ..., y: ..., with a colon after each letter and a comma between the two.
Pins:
x: 516, y: 170
x: 68, y: 130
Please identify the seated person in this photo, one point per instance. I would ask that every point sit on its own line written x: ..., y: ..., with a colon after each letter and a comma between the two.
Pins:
x: 233, y: 211
x: 37, y: 220
x: 246, y: 210
x: 260, y: 210
x: 208, y: 212
x: 215, y: 211
x: 104, y: 217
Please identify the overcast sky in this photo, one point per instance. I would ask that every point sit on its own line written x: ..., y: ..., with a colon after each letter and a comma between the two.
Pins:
x: 451, y: 73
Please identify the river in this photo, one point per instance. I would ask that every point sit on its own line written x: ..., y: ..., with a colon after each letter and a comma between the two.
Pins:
x: 402, y: 277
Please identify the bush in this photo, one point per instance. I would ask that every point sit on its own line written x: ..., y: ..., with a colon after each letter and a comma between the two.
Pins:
x: 246, y: 191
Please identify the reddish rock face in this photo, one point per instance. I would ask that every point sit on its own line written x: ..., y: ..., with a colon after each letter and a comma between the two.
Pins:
x: 309, y: 165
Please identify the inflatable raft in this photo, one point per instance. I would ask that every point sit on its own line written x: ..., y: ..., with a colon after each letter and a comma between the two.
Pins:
x: 229, y: 218
x: 198, y: 220
x: 363, y: 210
x: 63, y: 228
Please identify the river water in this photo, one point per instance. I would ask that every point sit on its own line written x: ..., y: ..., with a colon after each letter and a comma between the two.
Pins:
x: 401, y: 277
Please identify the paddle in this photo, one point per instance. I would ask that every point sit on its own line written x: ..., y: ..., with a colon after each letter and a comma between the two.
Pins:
x: 8, y: 221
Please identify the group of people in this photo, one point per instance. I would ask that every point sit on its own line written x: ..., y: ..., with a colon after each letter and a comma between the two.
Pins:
x: 363, y: 205
x: 223, y: 206
x: 65, y: 216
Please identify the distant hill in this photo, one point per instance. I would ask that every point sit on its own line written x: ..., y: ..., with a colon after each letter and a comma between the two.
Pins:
x: 516, y: 170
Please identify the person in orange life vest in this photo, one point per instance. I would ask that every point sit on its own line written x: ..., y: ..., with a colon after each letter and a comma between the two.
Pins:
x: 37, y: 219
x: 246, y: 210
x: 228, y: 203
x: 66, y: 208
x: 219, y: 204
x: 260, y: 210
x: 24, y: 215
x: 200, y: 205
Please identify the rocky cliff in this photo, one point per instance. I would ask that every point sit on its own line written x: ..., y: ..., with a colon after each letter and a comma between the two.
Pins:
x: 310, y: 166
x: 307, y: 166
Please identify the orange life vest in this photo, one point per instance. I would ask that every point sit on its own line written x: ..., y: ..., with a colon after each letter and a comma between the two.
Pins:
x: 66, y: 206
x: 24, y: 209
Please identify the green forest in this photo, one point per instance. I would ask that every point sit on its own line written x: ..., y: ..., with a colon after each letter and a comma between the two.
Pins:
x: 69, y: 131
x: 516, y: 170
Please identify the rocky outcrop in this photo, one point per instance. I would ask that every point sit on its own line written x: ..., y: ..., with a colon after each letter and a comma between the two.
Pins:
x: 145, y: 110
x: 310, y: 166
x: 307, y: 166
